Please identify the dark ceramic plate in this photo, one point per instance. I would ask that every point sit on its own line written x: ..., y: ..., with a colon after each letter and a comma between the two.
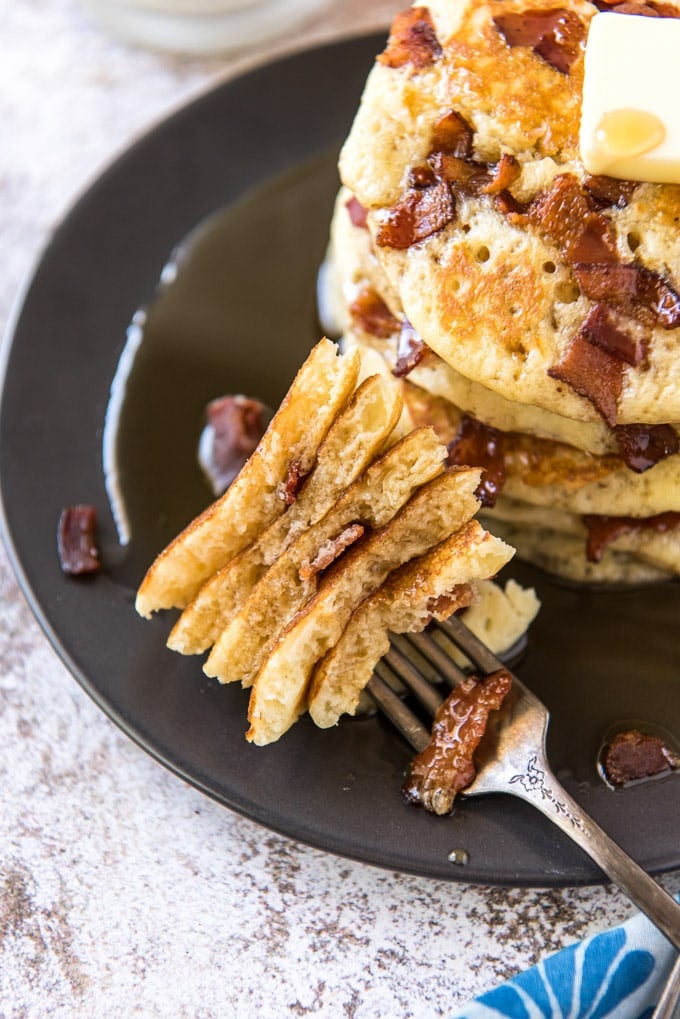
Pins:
x: 247, y: 174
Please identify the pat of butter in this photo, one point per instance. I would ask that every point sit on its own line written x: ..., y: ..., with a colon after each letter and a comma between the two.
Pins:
x: 630, y: 115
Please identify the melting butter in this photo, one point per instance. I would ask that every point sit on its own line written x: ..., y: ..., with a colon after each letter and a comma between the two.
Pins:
x: 630, y: 119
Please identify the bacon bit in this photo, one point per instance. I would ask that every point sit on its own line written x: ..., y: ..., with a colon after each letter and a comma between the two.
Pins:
x: 505, y: 173
x: 452, y: 134
x: 479, y: 445
x: 235, y: 425
x: 77, y: 540
x: 603, y: 530
x: 510, y: 207
x: 593, y: 373
x: 419, y: 213
x: 633, y: 755
x: 371, y: 313
x: 556, y: 35
x: 643, y: 446
x: 608, y: 191
x: 446, y: 604
x: 357, y: 212
x: 412, y: 40
x: 634, y: 289
x: 602, y: 328
x: 446, y: 765
x: 463, y: 173
x: 564, y: 214
x: 330, y: 551
x: 410, y: 350
x: 294, y: 478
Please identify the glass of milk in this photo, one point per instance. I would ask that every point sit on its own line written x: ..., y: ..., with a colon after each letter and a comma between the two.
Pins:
x: 201, y: 26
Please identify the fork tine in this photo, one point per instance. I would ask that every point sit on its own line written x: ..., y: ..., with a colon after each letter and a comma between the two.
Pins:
x: 416, y: 683
x: 466, y: 640
x: 401, y: 717
x: 444, y: 665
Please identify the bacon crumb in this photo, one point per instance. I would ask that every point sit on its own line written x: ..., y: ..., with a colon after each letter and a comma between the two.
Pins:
x: 357, y: 212
x: 412, y: 40
x: 633, y: 755
x: 643, y: 446
x: 446, y: 765
x: 554, y: 35
x: 77, y: 540
x: 330, y: 551
x: 294, y: 478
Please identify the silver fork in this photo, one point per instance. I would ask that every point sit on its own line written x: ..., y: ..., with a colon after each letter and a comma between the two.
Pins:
x: 517, y: 764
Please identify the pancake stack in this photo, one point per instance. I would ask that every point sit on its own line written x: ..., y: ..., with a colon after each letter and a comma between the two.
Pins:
x: 529, y: 309
x: 340, y: 527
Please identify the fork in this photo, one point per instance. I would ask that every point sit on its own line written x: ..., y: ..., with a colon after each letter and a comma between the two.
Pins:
x: 516, y: 763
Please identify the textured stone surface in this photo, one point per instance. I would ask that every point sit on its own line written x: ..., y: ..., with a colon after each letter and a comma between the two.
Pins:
x: 123, y: 891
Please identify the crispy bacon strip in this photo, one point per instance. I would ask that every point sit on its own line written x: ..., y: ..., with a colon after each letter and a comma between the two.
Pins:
x: 602, y: 530
x: 420, y: 212
x: 555, y: 35
x: 609, y: 192
x: 412, y: 40
x: 446, y: 765
x: 637, y: 291
x: 371, y: 313
x: 564, y: 214
x: 604, y: 328
x: 593, y: 373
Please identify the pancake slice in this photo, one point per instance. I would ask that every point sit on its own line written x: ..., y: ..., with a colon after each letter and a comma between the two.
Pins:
x: 433, y: 585
x: 320, y: 390
x: 356, y: 436
x: 279, y: 691
x: 289, y: 583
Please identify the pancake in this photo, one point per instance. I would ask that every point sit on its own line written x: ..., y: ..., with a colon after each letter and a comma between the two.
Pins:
x: 289, y: 583
x: 501, y: 216
x: 321, y: 388
x: 431, y: 585
x: 354, y: 439
x: 279, y: 691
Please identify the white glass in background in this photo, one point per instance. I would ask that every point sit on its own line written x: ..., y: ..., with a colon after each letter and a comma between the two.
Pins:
x: 201, y: 26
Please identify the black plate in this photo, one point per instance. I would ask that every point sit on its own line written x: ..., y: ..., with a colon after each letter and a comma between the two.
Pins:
x: 257, y: 158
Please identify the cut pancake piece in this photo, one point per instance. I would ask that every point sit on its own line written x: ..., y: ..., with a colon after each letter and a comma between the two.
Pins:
x: 429, y: 586
x: 279, y: 692
x: 357, y: 435
x: 372, y: 500
x: 318, y: 393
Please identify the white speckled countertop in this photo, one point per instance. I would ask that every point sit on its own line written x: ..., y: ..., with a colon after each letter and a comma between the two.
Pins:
x: 122, y: 890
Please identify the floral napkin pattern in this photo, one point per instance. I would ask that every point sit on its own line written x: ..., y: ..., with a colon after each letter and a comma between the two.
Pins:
x: 619, y: 974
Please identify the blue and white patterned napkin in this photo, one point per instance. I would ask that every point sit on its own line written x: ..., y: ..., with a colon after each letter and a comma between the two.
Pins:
x: 618, y: 974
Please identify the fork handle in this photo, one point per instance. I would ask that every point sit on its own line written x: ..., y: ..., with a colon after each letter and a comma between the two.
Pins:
x: 538, y: 786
